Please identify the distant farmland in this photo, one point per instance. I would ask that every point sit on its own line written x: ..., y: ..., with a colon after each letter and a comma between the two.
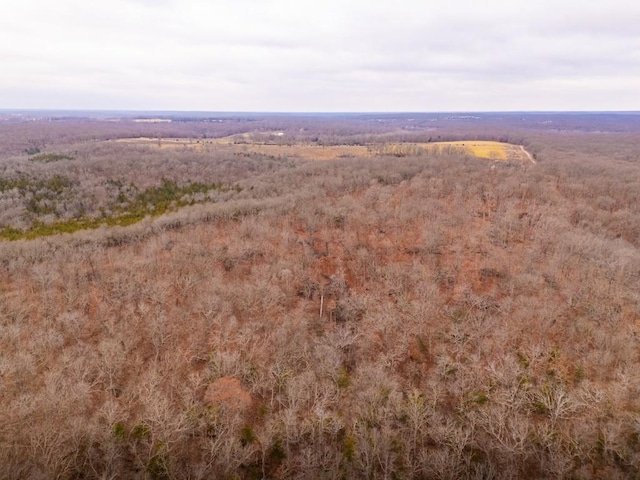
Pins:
x: 498, y: 151
x: 490, y: 150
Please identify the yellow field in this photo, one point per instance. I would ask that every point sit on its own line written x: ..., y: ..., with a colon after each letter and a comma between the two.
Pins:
x: 497, y: 151
x: 307, y: 151
x: 493, y: 150
x: 237, y: 144
x: 490, y: 150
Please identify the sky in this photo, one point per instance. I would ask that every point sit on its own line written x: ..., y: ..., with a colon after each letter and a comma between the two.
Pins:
x: 320, y: 56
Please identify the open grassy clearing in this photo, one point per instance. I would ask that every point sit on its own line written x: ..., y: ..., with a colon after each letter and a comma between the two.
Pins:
x: 490, y: 150
x: 229, y: 145
x: 306, y: 152
x: 273, y: 144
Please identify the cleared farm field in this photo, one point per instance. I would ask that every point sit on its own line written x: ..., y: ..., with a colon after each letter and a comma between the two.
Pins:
x: 307, y: 151
x: 271, y: 143
x: 490, y: 150
x: 232, y: 144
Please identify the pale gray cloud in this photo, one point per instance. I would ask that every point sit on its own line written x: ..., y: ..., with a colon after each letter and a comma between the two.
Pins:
x: 348, y: 55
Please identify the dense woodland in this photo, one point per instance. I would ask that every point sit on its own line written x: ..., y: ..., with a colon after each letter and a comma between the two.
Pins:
x: 235, y: 315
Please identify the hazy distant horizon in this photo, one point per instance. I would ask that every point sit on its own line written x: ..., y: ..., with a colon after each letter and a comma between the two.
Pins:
x: 160, y: 112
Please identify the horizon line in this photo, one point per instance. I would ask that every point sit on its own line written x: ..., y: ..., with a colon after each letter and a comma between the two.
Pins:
x: 76, y: 111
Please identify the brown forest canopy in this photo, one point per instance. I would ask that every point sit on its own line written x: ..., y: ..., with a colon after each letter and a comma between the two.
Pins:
x: 237, y: 310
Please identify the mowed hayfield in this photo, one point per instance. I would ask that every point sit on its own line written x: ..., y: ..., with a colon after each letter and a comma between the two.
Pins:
x: 490, y: 150
x: 494, y: 150
x: 304, y: 151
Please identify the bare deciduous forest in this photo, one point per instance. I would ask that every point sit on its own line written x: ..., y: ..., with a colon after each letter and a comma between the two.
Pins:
x: 172, y: 306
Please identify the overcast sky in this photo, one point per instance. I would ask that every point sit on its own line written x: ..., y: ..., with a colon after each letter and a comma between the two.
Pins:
x: 329, y: 55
